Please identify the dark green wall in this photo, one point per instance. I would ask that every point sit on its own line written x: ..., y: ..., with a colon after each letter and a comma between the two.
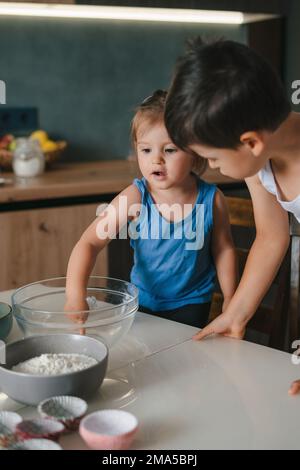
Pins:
x: 292, y: 46
x: 86, y: 76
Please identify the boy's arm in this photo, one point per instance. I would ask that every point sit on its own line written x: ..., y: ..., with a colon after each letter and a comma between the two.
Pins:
x: 94, y: 239
x: 264, y: 259
x: 223, y: 250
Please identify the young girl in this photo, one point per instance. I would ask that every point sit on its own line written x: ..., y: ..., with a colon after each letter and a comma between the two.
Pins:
x: 228, y: 105
x: 178, y: 225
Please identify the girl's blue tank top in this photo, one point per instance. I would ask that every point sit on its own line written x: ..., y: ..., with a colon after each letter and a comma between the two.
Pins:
x: 173, y: 264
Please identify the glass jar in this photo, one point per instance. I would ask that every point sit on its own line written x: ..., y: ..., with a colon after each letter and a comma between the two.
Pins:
x: 28, y: 158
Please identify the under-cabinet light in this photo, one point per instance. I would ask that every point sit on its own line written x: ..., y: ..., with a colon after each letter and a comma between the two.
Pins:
x: 175, y: 15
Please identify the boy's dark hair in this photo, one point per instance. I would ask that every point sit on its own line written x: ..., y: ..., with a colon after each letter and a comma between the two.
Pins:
x: 221, y: 90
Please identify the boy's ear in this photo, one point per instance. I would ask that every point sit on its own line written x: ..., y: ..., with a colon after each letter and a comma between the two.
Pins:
x: 254, y: 141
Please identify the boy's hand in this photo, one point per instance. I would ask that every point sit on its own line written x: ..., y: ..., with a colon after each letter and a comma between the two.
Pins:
x: 294, y: 388
x: 76, y: 306
x: 222, y: 325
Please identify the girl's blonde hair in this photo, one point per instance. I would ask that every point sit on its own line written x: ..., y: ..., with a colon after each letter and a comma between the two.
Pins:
x: 152, y: 111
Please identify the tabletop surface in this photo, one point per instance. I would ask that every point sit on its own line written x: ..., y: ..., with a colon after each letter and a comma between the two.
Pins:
x: 219, y: 393
x: 82, y: 179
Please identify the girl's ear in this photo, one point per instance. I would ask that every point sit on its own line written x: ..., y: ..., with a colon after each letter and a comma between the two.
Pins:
x: 254, y: 141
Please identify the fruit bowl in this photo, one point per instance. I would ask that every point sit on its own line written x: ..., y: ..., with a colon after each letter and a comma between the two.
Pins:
x: 51, y: 149
x: 51, y: 156
x: 39, y: 309
x: 6, y: 159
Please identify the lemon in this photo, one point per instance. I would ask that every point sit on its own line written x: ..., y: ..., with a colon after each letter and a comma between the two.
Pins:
x: 40, y: 135
x: 12, y: 145
x: 49, y: 146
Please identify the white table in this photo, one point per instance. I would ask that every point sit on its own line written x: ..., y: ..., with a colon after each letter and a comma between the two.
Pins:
x: 219, y: 393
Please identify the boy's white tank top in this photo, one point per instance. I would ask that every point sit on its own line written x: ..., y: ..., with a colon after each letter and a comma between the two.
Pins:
x: 267, y: 179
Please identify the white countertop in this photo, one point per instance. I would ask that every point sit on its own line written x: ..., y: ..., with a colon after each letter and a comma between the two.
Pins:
x: 219, y: 393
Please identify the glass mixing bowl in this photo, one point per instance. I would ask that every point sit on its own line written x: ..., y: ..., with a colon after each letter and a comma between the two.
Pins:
x: 39, y: 309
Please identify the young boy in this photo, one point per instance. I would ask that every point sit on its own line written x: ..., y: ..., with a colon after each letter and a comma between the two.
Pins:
x: 228, y: 105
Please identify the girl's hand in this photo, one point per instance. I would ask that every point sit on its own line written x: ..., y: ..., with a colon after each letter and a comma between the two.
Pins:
x: 226, y: 302
x: 76, y: 306
x: 294, y: 388
x: 222, y: 325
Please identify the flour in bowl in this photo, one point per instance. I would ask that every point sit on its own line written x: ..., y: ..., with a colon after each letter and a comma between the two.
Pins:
x: 55, y: 364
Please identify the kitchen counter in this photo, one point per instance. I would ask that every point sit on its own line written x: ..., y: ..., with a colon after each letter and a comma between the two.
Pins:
x: 220, y: 393
x: 42, y: 218
x: 82, y: 179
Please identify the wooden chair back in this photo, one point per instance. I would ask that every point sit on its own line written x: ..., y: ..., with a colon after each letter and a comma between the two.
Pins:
x: 270, y: 319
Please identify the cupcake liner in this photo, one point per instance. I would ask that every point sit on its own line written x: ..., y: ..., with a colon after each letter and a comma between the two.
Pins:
x: 109, y: 429
x: 8, y: 424
x: 39, y: 428
x: 66, y: 409
x: 35, y: 444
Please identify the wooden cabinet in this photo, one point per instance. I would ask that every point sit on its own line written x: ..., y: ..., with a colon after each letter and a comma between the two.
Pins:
x: 42, y: 218
x: 36, y: 244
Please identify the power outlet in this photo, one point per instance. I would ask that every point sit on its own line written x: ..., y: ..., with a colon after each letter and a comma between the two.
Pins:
x: 18, y: 120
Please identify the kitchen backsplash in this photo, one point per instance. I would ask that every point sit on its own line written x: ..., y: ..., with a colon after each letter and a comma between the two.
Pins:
x: 85, y: 77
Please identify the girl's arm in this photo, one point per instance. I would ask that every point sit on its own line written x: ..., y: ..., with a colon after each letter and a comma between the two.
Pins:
x: 264, y: 259
x: 93, y: 240
x: 223, y: 250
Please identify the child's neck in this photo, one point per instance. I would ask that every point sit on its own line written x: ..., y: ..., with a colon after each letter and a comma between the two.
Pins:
x: 284, y: 152
x: 284, y: 144
x: 183, y: 196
